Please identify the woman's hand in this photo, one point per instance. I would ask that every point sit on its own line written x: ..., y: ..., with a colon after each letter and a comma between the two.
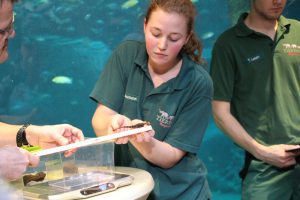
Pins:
x: 117, y: 122
x: 141, y: 137
x: 121, y: 123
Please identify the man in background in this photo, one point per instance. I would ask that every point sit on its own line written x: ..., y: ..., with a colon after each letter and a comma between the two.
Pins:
x: 15, y: 160
x: 256, y: 72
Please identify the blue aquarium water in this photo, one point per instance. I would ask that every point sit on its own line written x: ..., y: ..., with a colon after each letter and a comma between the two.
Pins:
x: 61, y: 47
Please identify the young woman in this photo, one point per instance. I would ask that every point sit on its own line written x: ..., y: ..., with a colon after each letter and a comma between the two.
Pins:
x: 160, y: 81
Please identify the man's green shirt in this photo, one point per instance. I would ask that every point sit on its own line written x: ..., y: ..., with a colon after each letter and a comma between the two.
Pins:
x: 261, y: 80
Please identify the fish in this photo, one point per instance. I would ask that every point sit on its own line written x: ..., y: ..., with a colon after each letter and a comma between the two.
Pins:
x: 87, y: 16
x: 207, y: 35
x: 129, y: 4
x: 62, y: 80
x: 43, y: 1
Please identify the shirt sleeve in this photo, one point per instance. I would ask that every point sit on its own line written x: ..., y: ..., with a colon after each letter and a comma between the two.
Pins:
x: 110, y: 87
x: 189, y: 128
x: 222, y: 72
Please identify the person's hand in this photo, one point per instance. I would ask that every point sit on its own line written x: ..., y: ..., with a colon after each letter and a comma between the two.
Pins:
x: 141, y: 137
x: 14, y: 162
x: 276, y: 155
x: 50, y: 136
x: 117, y: 122
x: 122, y: 123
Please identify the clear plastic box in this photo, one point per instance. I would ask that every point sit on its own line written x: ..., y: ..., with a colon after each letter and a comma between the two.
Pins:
x: 88, y: 166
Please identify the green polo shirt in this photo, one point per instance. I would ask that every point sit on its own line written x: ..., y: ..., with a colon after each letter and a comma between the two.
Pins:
x: 260, y: 78
x: 178, y: 111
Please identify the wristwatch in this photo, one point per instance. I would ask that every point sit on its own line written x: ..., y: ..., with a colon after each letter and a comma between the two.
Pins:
x: 21, y: 136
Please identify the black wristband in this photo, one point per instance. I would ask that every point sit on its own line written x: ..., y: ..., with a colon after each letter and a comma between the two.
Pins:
x: 21, y: 136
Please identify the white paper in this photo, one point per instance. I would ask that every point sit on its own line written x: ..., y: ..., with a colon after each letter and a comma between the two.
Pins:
x: 93, y: 141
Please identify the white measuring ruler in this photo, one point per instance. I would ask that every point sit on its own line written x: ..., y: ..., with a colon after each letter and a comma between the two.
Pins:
x: 93, y: 141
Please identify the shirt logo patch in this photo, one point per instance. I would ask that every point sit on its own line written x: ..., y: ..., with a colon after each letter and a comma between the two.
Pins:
x: 131, y: 98
x: 165, y: 120
x: 291, y: 49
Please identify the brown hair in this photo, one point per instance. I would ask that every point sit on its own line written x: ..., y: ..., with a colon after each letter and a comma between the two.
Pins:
x: 186, y: 8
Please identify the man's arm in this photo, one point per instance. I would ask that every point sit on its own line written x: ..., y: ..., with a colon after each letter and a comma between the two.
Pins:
x: 274, y: 155
x: 46, y: 136
x: 8, y: 134
x: 14, y: 160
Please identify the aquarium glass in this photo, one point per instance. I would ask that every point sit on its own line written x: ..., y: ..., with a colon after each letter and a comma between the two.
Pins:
x: 61, y: 47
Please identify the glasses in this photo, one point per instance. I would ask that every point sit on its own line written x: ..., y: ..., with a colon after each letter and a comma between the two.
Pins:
x: 9, y: 29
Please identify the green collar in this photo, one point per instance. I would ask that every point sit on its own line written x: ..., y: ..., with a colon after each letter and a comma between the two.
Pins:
x: 243, y: 31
